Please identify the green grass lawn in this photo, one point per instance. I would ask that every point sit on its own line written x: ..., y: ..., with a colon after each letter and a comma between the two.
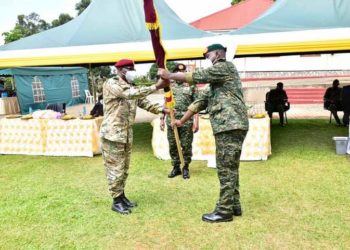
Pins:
x: 298, y: 199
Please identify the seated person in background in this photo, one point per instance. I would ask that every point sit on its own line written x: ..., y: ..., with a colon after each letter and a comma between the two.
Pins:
x: 276, y: 100
x: 97, y: 110
x: 346, y: 104
x: 57, y: 107
x: 2, y: 85
x: 332, y: 100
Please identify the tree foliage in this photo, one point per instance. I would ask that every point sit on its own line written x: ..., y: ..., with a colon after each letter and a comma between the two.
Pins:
x: 235, y: 1
x: 62, y: 19
x: 32, y: 23
x: 26, y: 26
x: 154, y: 69
x: 82, y: 5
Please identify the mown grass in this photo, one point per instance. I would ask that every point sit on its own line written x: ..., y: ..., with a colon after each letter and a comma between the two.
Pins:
x: 298, y: 199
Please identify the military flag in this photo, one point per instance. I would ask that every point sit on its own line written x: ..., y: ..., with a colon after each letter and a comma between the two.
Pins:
x: 154, y: 26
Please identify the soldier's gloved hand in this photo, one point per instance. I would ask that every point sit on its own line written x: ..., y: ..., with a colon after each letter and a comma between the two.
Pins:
x: 163, y: 73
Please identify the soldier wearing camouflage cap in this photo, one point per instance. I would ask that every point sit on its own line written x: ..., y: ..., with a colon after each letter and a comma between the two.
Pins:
x: 121, y: 99
x: 229, y: 121
x: 184, y: 95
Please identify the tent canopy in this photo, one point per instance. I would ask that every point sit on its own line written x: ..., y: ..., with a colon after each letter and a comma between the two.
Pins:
x: 38, y: 86
x: 43, y: 71
x: 297, y: 26
x: 293, y: 15
x: 105, y: 32
x: 109, y: 30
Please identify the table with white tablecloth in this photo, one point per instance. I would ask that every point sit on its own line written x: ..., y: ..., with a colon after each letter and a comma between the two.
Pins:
x: 54, y: 137
x: 256, y: 146
x: 9, y: 105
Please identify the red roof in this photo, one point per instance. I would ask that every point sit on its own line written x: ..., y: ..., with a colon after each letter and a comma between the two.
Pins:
x: 233, y: 17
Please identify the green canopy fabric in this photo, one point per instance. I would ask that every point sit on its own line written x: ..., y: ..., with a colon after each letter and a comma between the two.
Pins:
x: 109, y: 22
x: 57, y: 84
x: 294, y: 15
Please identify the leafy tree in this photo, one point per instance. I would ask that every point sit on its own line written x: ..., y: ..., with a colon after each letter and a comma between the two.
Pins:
x: 154, y: 69
x: 235, y: 1
x: 82, y: 5
x: 26, y: 26
x: 62, y: 19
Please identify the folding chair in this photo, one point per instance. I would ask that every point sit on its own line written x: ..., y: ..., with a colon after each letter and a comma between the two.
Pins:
x: 88, y: 97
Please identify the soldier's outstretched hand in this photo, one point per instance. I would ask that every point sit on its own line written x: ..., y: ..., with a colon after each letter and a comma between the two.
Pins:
x: 163, y: 73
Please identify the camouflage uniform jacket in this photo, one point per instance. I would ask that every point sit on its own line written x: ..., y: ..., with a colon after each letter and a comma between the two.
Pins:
x: 184, y: 95
x: 223, y: 97
x: 120, y: 103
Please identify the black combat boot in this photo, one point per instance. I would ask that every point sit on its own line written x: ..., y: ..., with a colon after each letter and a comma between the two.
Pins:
x: 237, y: 211
x: 186, y: 172
x: 216, y: 217
x: 176, y: 171
x: 129, y: 203
x: 119, y: 206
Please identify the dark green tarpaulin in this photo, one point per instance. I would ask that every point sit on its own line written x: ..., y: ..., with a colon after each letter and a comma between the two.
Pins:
x: 56, y: 82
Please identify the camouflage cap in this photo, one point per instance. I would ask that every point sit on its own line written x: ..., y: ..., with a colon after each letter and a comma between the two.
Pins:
x: 213, y: 47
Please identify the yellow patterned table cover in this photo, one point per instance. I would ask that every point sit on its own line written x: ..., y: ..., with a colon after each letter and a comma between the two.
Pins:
x: 257, y: 145
x: 50, y: 137
x: 8, y: 105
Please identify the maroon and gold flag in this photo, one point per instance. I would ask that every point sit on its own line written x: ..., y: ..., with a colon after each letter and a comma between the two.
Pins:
x: 153, y: 25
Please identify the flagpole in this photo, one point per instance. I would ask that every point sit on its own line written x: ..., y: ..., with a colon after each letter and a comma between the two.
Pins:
x: 153, y: 25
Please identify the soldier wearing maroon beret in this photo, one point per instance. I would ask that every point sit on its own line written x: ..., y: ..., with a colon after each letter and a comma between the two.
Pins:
x: 121, y: 99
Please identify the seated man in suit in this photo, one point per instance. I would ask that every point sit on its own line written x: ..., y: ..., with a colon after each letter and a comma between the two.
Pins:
x: 332, y: 100
x: 276, y: 101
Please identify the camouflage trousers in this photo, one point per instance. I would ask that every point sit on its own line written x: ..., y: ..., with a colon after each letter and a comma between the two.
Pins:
x: 116, y: 157
x: 186, y: 138
x: 228, y: 153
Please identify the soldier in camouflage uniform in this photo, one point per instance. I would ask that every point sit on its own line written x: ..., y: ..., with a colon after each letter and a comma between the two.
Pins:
x: 229, y: 121
x: 121, y: 99
x: 184, y: 95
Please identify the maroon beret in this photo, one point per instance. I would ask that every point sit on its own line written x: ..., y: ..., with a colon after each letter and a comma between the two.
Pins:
x: 124, y: 63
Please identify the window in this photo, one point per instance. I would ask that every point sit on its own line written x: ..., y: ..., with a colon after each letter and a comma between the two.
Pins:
x: 38, y: 90
x: 75, y: 87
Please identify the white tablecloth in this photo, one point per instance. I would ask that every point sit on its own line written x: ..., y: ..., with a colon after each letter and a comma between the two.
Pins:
x: 8, y: 105
x: 257, y: 145
x: 50, y: 137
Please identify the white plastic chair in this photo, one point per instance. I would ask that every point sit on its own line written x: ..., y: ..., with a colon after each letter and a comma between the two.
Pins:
x: 89, y: 98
